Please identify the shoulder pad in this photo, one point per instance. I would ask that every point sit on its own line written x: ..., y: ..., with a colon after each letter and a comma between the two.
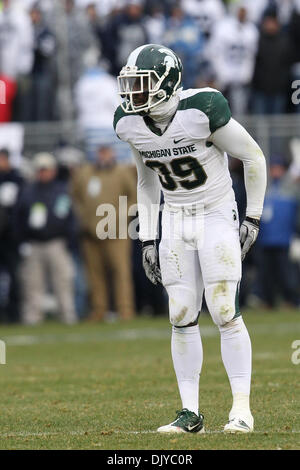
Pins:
x: 125, y: 124
x: 211, y: 102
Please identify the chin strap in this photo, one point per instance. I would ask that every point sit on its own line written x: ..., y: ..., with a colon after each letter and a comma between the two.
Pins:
x: 163, y: 112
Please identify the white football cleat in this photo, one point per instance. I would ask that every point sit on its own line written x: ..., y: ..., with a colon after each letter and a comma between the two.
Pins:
x: 186, y: 421
x: 239, y: 424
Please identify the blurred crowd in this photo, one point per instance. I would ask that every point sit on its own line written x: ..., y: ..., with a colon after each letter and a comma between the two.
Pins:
x: 271, y: 271
x: 56, y: 55
x: 55, y: 255
x: 65, y: 249
x: 59, y: 60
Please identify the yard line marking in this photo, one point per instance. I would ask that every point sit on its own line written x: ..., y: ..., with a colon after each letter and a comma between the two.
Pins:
x: 109, y: 433
x: 44, y: 434
x: 121, y: 335
x: 134, y: 334
x: 208, y: 432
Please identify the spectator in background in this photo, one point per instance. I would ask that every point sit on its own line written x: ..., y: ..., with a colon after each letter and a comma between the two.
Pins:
x: 255, y: 9
x: 278, y: 226
x: 294, y: 169
x: 96, y: 184
x: 294, y: 27
x: 184, y: 37
x: 284, y: 10
x: 16, y: 55
x: 155, y: 23
x: 207, y: 13
x: 273, y: 67
x: 95, y: 94
x: 104, y: 7
x: 98, y: 27
x: 42, y: 76
x: 232, y: 50
x: 10, y: 185
x: 79, y: 38
x: 8, y: 90
x: 16, y: 41
x: 45, y: 226
x: 70, y: 160
x: 125, y: 32
x: 45, y: 5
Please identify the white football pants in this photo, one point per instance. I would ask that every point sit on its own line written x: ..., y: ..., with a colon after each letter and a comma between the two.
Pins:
x: 200, y: 253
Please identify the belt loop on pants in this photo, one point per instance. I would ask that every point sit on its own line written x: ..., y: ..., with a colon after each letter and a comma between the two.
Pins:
x: 191, y: 209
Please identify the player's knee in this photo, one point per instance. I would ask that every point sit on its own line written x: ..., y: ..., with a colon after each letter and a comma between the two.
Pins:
x: 181, y: 313
x: 223, y: 314
x: 234, y: 326
x: 221, y: 301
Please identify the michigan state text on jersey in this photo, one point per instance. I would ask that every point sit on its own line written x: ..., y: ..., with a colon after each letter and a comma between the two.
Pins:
x: 180, y: 140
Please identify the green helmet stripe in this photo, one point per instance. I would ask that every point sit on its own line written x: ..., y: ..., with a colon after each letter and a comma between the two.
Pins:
x: 144, y: 59
x: 132, y: 59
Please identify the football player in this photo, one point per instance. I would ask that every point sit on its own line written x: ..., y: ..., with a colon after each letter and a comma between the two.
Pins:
x: 180, y: 140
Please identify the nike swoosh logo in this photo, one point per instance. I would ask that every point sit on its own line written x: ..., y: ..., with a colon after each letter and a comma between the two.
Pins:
x: 177, y: 141
x: 190, y: 428
x: 243, y: 424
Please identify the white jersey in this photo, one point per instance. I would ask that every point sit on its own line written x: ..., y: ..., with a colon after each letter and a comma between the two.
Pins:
x: 95, y: 110
x: 205, y: 12
x: 232, y: 50
x: 190, y: 168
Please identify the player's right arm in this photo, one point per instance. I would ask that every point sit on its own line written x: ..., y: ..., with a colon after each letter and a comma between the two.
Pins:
x: 148, y: 199
x: 148, y: 187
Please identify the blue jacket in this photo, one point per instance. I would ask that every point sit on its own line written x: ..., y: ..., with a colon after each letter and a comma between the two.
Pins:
x: 279, y: 218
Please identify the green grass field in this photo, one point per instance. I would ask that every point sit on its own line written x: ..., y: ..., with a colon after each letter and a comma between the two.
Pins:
x: 110, y: 386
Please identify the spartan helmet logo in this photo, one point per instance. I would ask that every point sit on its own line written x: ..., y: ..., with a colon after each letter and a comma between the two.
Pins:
x: 170, y: 59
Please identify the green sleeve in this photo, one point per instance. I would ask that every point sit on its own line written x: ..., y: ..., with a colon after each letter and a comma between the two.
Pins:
x: 211, y: 103
x: 219, y: 113
x: 119, y: 113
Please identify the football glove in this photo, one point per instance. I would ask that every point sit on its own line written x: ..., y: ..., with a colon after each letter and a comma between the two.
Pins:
x: 150, y: 261
x: 248, y: 234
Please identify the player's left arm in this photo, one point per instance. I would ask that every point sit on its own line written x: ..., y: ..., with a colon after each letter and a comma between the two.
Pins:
x: 235, y: 140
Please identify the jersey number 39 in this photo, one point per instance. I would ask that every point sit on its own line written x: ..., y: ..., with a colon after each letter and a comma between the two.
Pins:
x: 181, y: 167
